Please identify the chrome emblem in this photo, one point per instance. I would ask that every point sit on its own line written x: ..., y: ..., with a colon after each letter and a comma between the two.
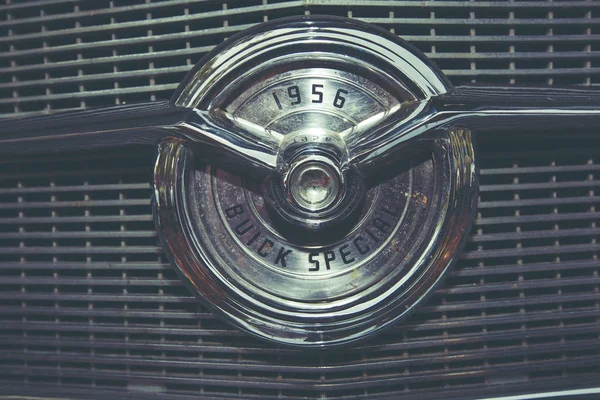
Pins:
x: 339, y: 201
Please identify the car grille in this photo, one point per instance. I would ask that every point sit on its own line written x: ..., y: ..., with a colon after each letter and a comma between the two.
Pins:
x: 90, y: 307
x: 68, y: 54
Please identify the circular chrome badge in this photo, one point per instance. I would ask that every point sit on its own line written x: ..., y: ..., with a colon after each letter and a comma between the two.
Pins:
x: 340, y: 240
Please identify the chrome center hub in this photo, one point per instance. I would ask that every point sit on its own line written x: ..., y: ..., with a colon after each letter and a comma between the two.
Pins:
x: 314, y: 186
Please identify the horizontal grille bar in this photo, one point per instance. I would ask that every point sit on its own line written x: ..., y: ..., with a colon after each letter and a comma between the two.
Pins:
x: 216, y: 365
x: 265, y: 383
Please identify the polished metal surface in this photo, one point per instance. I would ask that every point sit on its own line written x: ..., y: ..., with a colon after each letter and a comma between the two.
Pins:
x: 239, y: 145
x: 312, y: 98
x: 314, y: 185
x: 328, y: 272
x: 308, y: 110
x: 275, y: 289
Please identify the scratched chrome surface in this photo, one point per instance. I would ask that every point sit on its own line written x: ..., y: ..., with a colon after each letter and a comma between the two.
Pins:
x: 305, y: 278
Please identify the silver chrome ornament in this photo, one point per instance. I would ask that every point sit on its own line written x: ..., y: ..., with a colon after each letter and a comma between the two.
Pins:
x: 341, y: 228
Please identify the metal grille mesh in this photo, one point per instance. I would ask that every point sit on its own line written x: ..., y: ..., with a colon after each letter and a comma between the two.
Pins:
x: 89, y: 306
x: 88, y: 300
x: 66, y: 54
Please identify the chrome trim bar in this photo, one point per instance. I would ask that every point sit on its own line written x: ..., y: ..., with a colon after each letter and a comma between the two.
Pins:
x: 219, y: 139
x: 215, y: 137
x: 482, y: 110
x: 549, y: 395
x: 88, y: 129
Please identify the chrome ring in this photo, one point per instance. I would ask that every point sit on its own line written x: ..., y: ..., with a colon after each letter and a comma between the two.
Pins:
x: 221, y: 236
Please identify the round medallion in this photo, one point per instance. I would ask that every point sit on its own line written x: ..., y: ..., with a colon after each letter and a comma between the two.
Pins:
x: 321, y: 251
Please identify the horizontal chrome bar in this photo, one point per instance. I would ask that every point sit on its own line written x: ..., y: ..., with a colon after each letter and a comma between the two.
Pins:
x: 215, y: 137
x: 220, y: 139
x: 483, y: 110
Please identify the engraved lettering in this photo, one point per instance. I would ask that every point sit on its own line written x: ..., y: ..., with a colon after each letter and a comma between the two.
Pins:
x: 266, y: 244
x: 362, y: 250
x: 294, y: 93
x: 371, y: 235
x: 253, y: 238
x: 319, y: 94
x: 339, y: 99
x: 241, y: 228
x: 344, y: 252
x: 234, y: 211
x: 311, y: 259
x: 283, y: 253
x: 380, y: 225
x: 277, y: 101
x: 329, y: 257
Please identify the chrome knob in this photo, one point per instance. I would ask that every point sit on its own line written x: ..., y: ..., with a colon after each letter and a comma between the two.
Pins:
x: 314, y: 185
